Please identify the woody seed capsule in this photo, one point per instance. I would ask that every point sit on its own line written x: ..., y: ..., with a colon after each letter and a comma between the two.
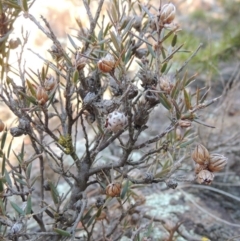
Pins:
x: 200, y: 155
x: 113, y: 189
x: 205, y: 177
x: 41, y: 95
x: 79, y: 61
x: 217, y: 162
x: 167, y: 14
x: 116, y: 121
x: 50, y: 83
x: 107, y: 63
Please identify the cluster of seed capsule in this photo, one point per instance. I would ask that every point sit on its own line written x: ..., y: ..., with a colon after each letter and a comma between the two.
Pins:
x: 206, y: 164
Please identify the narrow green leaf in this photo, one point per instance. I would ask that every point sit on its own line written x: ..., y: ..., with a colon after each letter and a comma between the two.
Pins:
x: 175, y: 90
x: 17, y: 156
x: 91, y: 220
x: 17, y: 208
x: 2, y: 209
x: 5, y: 37
x: 187, y: 99
x: 28, y: 171
x: 203, y: 123
x: 98, y: 212
x: 22, y: 151
x: 150, y: 49
x: 114, y: 13
x: 4, y: 137
x: 29, y: 98
x: 163, y: 53
x: 9, y: 148
x: 34, y: 180
x: 24, y: 5
x: 1, y: 7
x: 3, y: 164
x: 21, y: 181
x: 174, y: 40
x: 87, y: 216
x: 128, y: 27
x: 72, y: 42
x: 54, y: 193
x: 43, y: 74
x: 1, y: 185
x: 115, y: 41
x: 31, y: 88
x: 164, y: 67
x: 189, y: 80
x: 8, y: 179
x: 187, y: 143
x: 125, y: 189
x: 19, y: 175
x: 75, y: 77
x: 62, y: 232
x: 28, y: 209
x: 165, y: 102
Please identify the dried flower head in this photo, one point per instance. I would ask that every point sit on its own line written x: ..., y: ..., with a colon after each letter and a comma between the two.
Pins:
x: 205, y: 177
x: 113, y: 189
x: 2, y: 126
x: 107, y: 63
x: 217, y: 162
x: 41, y: 95
x: 167, y: 14
x: 116, y: 121
x: 201, y: 155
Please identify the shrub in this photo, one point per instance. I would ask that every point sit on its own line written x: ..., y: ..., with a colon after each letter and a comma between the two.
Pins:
x: 91, y: 115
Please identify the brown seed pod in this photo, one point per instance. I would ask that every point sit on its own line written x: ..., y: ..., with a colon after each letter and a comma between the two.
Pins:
x: 113, y: 189
x: 107, y: 63
x: 205, y: 177
x: 41, y: 95
x: 2, y: 126
x: 201, y: 155
x: 217, y: 162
